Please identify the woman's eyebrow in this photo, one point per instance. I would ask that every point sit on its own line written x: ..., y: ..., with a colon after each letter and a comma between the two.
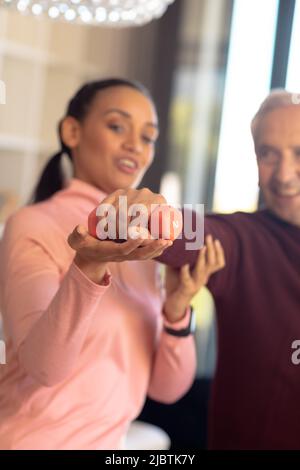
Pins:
x: 128, y: 116
x: 119, y: 111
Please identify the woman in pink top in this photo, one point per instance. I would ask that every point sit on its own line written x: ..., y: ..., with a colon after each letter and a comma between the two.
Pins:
x: 85, y: 338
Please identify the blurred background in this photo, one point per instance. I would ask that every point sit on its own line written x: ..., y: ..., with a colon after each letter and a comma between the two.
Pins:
x: 208, y: 64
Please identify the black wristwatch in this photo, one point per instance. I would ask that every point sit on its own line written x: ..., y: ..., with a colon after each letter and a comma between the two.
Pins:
x: 190, y: 329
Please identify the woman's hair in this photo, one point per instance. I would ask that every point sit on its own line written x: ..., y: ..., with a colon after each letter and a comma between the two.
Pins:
x: 52, y: 179
x: 278, y: 98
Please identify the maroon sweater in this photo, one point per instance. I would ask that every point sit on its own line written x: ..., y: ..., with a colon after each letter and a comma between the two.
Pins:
x: 255, y: 400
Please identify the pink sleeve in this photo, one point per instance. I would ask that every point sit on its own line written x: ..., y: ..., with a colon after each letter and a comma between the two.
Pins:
x: 174, y: 365
x: 47, y: 319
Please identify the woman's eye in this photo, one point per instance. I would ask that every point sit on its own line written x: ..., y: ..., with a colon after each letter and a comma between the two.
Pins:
x: 297, y: 152
x: 116, y: 127
x: 148, y: 140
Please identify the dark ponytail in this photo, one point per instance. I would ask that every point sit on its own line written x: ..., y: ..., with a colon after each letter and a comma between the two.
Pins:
x: 52, y: 179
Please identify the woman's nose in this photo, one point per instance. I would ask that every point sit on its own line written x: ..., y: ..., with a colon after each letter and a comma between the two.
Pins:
x: 133, y: 143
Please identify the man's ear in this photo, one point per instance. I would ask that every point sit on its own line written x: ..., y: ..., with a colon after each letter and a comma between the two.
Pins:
x: 70, y: 132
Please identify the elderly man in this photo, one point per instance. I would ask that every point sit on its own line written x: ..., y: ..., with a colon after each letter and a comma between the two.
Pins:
x: 256, y: 391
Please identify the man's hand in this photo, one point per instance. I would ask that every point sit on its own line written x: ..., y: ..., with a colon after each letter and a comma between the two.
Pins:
x: 182, y: 285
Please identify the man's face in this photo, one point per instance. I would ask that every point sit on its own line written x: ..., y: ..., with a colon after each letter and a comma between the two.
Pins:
x: 277, y: 146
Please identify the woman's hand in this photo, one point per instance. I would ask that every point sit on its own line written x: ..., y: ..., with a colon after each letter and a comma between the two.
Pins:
x: 181, y: 285
x: 92, y: 255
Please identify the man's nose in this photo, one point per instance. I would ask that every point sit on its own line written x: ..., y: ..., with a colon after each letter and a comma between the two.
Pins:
x: 286, y: 169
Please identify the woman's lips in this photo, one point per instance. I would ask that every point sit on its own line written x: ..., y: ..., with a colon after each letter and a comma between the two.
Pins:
x: 127, y: 165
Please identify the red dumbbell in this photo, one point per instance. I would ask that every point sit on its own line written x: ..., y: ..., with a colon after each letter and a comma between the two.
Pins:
x: 165, y: 222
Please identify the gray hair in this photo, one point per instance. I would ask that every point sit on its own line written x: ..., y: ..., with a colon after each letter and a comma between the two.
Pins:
x: 278, y: 98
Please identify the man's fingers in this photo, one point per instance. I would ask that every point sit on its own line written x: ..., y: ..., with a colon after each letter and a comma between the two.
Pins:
x: 220, y: 256
x: 200, y: 267
x: 185, y: 274
x: 210, y: 255
x: 201, y: 260
x: 210, y: 259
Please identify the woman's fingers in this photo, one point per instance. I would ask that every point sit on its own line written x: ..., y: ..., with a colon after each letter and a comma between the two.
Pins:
x: 126, y: 248
x: 113, y: 198
x: 152, y: 250
x: 131, y: 200
x: 159, y: 246
x: 93, y: 249
x: 159, y: 252
x: 146, y: 197
x: 78, y: 236
x: 133, y: 197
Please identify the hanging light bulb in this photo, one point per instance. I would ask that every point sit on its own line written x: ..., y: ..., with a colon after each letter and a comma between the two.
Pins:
x: 113, y: 13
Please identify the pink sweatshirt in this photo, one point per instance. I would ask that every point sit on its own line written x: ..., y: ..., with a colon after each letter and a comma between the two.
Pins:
x: 81, y: 357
